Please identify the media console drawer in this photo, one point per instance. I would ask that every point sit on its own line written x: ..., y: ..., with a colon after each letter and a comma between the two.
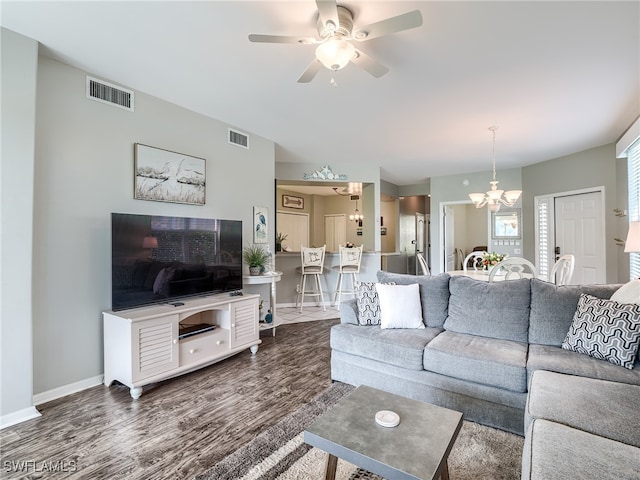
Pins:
x: 203, y: 345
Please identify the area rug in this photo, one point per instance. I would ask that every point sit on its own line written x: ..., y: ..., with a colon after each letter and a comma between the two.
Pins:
x: 280, y: 453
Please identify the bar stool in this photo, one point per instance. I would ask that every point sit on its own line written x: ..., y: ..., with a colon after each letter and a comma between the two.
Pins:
x: 350, y: 259
x: 312, y: 265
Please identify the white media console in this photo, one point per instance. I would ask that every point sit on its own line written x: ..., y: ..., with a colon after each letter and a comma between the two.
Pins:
x: 145, y: 345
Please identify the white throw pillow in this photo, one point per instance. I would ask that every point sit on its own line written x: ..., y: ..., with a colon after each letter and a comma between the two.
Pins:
x: 628, y: 293
x: 400, y: 306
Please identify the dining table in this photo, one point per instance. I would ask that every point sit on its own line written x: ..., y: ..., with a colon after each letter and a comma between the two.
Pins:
x: 483, y: 275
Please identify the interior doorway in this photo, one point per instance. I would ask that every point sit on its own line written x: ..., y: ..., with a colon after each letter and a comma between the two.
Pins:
x: 414, y: 231
x: 464, y: 228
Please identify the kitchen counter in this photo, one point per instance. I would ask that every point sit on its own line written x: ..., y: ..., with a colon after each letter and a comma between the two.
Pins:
x: 287, y: 262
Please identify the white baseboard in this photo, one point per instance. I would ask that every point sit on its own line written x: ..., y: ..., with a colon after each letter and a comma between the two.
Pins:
x: 308, y: 304
x: 18, y: 417
x: 65, y: 390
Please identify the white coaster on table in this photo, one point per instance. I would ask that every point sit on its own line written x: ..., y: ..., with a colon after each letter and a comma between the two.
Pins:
x: 387, y: 418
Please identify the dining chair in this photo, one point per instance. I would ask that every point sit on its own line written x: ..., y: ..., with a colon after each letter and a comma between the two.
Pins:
x: 350, y: 259
x: 423, y: 264
x: 312, y: 266
x: 562, y: 271
x: 476, y: 261
x: 513, y: 267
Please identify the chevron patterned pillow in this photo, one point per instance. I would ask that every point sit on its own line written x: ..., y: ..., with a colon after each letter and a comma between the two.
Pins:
x: 605, y: 330
x: 368, y: 303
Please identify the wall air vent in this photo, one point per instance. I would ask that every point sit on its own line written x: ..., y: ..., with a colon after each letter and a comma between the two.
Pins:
x: 239, y: 139
x: 104, y: 92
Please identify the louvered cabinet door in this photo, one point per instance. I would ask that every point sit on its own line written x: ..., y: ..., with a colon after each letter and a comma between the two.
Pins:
x: 154, y: 346
x: 244, y: 323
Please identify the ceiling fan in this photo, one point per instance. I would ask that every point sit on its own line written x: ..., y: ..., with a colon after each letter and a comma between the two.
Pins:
x: 335, y: 49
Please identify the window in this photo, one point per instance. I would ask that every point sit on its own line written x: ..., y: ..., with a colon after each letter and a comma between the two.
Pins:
x: 633, y: 167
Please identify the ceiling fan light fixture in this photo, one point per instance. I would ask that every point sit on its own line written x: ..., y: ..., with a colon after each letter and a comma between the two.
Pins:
x: 335, y: 53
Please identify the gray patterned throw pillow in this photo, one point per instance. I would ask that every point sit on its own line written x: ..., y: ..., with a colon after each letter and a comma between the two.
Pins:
x: 606, y: 330
x: 368, y: 303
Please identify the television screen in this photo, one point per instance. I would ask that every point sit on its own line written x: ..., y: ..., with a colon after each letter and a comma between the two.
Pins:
x: 156, y: 259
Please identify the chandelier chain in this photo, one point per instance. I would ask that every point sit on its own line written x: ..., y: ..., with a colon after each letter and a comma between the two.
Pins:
x: 493, y: 150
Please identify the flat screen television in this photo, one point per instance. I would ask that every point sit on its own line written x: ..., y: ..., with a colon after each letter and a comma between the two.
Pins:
x: 158, y: 259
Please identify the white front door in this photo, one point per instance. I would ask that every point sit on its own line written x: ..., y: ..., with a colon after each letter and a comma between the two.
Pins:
x: 578, y: 231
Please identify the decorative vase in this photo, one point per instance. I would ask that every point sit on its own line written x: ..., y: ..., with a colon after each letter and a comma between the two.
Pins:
x: 254, y: 271
x: 278, y: 247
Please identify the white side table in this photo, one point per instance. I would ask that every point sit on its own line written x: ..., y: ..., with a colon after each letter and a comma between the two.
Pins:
x: 272, y: 278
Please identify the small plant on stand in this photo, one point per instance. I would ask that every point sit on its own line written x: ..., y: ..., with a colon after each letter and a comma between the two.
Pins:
x: 280, y: 237
x: 256, y: 257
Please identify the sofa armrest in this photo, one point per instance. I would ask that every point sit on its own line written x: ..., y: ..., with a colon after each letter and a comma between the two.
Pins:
x: 349, y: 311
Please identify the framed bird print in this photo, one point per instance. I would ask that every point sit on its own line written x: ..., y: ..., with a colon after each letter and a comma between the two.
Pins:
x: 165, y: 176
x: 260, y: 225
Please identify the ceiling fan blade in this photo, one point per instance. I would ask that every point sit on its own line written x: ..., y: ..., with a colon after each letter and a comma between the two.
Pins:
x: 390, y: 25
x: 368, y: 64
x: 281, y: 39
x: 310, y: 72
x: 328, y: 11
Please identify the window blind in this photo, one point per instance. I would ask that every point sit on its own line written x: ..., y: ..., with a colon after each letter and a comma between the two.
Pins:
x: 633, y: 167
x: 542, y: 227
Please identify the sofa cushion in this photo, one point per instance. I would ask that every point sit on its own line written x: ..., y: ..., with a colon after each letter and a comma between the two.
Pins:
x: 555, y: 359
x: 553, y: 307
x: 434, y: 294
x: 489, y: 361
x: 402, y: 348
x: 556, y: 452
x: 608, y: 409
x: 349, y: 311
x: 400, y: 306
x: 489, y: 309
x: 605, y: 330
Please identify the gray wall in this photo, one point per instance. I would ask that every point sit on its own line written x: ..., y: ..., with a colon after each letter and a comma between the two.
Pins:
x: 83, y: 172
x: 19, y: 74
x: 452, y: 189
x: 592, y: 168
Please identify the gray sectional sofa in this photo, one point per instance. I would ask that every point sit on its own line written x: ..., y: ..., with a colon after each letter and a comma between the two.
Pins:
x: 478, y: 354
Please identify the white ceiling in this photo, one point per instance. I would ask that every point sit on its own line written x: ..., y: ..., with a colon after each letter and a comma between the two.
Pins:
x: 557, y: 77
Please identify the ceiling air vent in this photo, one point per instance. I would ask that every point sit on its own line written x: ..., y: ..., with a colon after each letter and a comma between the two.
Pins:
x: 239, y: 139
x: 104, y: 92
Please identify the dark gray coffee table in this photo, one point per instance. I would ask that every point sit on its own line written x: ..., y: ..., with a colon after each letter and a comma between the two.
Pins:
x: 417, y: 448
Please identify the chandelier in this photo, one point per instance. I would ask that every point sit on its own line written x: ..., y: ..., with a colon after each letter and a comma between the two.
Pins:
x: 356, y: 216
x: 494, y: 197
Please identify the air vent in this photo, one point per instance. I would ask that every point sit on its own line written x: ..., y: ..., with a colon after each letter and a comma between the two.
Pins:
x: 239, y: 139
x: 104, y: 92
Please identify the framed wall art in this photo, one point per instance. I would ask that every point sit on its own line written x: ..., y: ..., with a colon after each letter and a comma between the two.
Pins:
x: 291, y: 201
x: 260, y: 225
x: 165, y: 176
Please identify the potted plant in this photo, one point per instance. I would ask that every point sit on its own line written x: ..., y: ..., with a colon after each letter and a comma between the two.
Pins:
x: 280, y: 237
x: 256, y: 257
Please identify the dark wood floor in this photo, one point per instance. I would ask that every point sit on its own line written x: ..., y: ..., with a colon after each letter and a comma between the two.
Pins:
x: 180, y: 427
